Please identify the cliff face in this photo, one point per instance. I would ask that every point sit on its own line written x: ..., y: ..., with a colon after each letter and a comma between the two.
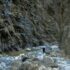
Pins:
x: 33, y: 22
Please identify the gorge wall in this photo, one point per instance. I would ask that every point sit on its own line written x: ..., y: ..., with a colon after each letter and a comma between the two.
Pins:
x: 26, y: 23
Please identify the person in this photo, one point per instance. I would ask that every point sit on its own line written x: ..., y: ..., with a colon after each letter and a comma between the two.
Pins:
x: 43, y: 50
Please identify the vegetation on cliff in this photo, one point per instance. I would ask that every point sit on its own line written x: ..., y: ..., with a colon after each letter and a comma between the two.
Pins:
x: 33, y: 23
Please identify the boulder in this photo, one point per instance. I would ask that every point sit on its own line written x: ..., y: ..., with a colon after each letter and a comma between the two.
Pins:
x: 33, y: 66
x: 49, y: 62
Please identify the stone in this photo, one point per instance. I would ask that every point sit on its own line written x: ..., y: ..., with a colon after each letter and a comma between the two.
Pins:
x: 33, y: 66
x: 48, y: 61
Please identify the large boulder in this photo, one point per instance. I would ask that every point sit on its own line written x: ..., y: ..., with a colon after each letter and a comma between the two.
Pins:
x: 49, y: 62
x: 33, y: 66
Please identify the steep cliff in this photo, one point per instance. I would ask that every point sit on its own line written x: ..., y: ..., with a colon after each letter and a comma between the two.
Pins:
x: 33, y: 22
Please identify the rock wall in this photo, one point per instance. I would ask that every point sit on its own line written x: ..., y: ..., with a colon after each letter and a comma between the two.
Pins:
x: 33, y: 22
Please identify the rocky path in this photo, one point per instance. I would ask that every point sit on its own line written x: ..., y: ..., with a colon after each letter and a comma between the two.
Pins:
x: 34, y: 60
